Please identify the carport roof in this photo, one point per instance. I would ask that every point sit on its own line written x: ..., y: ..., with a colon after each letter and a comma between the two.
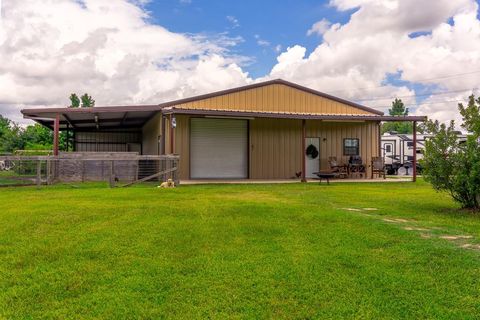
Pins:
x: 115, y: 117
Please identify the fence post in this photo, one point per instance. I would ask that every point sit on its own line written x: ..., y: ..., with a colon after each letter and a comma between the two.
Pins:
x: 175, y: 173
x: 83, y: 170
x: 48, y: 171
x: 112, y: 174
x: 39, y: 172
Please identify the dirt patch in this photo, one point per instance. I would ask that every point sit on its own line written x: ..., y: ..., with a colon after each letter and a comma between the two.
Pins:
x: 415, y: 229
x: 470, y: 246
x: 459, y: 237
x: 396, y: 220
x: 425, y: 235
x: 352, y: 209
x: 370, y: 209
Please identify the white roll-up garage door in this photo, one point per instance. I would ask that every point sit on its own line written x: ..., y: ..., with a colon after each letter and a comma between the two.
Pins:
x: 218, y: 148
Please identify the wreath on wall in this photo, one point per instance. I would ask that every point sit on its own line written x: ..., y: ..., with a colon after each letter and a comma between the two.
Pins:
x: 312, y: 152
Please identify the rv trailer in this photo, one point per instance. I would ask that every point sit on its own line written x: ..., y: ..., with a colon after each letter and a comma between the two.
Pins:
x: 397, y: 150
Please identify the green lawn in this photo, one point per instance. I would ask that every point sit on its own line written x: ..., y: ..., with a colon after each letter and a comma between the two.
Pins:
x: 289, y: 251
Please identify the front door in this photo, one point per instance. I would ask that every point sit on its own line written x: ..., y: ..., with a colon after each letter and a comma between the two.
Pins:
x: 312, y: 156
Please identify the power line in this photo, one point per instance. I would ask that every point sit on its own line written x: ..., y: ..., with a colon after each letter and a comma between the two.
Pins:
x: 419, y: 80
x: 426, y: 103
x: 417, y: 95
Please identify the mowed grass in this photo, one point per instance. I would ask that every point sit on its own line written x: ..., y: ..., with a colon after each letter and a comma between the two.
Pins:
x: 289, y: 251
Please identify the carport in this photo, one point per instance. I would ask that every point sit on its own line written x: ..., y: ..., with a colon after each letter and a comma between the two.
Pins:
x: 113, y: 119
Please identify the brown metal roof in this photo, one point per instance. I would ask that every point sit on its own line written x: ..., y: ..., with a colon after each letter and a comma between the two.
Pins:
x: 93, y: 118
x: 137, y: 115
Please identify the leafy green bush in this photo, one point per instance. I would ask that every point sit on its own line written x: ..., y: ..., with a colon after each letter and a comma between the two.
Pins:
x: 452, y: 165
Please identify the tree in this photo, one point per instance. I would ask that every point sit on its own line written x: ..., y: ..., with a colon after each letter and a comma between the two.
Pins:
x: 87, y: 101
x: 33, y: 137
x: 4, y: 125
x: 11, y: 138
x: 74, y: 101
x: 37, y: 137
x: 452, y: 166
x: 398, y: 109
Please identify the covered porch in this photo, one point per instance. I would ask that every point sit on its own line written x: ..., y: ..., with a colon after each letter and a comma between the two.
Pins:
x: 278, y: 142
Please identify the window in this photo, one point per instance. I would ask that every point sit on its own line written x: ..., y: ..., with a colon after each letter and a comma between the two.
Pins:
x: 409, y: 144
x: 388, y: 148
x: 351, y: 147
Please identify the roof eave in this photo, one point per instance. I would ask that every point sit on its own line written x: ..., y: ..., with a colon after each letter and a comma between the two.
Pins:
x: 300, y: 116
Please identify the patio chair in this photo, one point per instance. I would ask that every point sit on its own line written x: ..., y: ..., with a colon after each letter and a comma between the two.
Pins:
x: 339, y: 169
x: 378, y: 167
x: 356, y: 166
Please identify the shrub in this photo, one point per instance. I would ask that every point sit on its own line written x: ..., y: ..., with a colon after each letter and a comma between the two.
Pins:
x: 452, y: 165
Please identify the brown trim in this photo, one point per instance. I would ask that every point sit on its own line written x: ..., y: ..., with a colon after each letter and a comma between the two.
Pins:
x: 298, y: 116
x: 56, y: 129
x: 379, y: 127
x: 122, y: 121
x: 304, y: 136
x: 141, y: 108
x: 248, y: 149
x: 414, y: 178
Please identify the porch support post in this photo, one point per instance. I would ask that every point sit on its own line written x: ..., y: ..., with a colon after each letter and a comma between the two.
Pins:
x: 304, y: 136
x: 414, y: 151
x: 67, y: 136
x: 56, y: 130
x: 172, y: 138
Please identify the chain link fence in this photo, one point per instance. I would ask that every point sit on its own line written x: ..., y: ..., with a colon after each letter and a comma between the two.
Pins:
x: 118, y: 169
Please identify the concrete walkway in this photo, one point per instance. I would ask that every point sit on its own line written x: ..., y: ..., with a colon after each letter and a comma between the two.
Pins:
x: 253, y: 181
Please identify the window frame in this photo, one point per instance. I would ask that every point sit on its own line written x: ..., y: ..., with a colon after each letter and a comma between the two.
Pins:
x: 356, y: 148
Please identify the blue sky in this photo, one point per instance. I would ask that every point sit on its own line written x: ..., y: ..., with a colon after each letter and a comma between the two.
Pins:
x: 385, y: 50
x: 283, y: 23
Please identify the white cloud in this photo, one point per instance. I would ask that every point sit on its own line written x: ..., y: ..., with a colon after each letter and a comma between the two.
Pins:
x: 111, y: 50
x: 319, y: 28
x: 375, y: 42
x: 233, y: 21
x: 108, y: 49
x: 261, y: 42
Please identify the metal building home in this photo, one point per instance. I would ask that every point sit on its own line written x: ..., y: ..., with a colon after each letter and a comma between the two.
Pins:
x: 269, y: 130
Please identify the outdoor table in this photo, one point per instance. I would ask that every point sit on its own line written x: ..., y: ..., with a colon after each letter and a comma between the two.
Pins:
x: 325, y: 175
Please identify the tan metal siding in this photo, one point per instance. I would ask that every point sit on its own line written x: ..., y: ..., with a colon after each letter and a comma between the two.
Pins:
x: 274, y: 98
x: 276, y: 144
x: 331, y: 136
x: 151, y: 132
x: 275, y: 148
x: 182, y: 145
x: 100, y: 141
